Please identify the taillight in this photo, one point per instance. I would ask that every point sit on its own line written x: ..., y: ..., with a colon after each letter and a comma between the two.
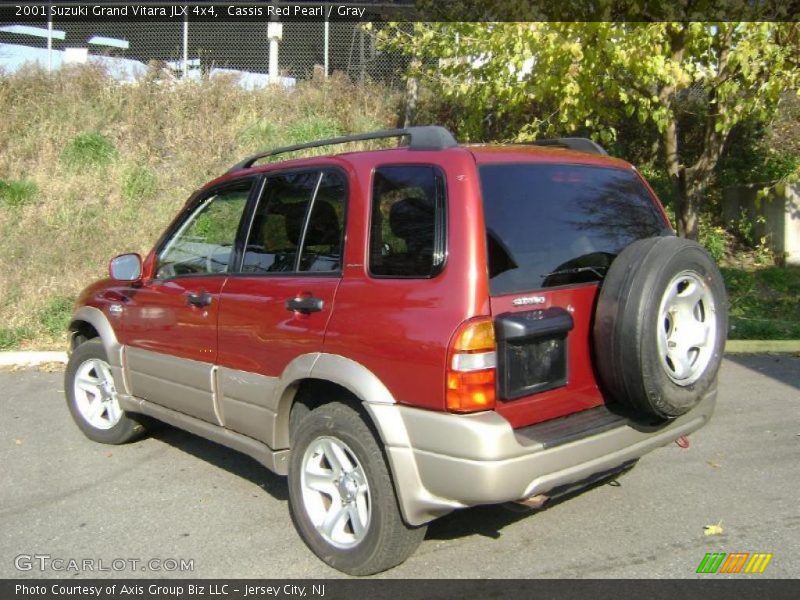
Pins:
x: 471, y: 367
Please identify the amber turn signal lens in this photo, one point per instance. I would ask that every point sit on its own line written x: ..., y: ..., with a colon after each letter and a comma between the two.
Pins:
x: 475, y: 336
x: 471, y: 374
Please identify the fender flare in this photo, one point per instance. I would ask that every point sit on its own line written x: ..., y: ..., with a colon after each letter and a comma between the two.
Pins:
x: 97, y: 319
x: 417, y: 504
x: 351, y: 375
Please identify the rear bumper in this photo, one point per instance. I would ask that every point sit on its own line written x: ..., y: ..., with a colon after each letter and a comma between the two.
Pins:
x: 442, y: 461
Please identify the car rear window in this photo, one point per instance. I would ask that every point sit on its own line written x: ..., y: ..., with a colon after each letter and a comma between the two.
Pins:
x: 550, y: 225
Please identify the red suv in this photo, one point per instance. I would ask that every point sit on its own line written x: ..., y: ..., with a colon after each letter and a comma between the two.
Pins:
x: 410, y: 331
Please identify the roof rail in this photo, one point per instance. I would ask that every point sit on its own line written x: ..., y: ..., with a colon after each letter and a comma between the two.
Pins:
x: 428, y: 137
x: 573, y: 143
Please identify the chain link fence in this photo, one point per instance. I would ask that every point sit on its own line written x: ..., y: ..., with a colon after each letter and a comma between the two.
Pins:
x: 258, y: 52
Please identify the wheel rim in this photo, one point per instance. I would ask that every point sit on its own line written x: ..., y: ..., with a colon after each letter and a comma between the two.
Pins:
x: 687, y: 328
x: 336, y: 494
x: 95, y: 394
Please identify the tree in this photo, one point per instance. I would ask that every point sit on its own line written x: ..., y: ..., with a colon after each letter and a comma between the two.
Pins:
x: 689, y: 83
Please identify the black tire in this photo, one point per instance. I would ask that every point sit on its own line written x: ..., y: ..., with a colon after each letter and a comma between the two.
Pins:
x: 388, y: 540
x: 126, y: 429
x: 631, y: 368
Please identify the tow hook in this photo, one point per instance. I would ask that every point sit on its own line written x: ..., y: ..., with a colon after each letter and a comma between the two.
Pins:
x: 682, y: 442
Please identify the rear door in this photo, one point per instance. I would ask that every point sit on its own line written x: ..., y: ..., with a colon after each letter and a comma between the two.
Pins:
x: 552, y: 232
x: 170, y: 321
x: 277, y: 305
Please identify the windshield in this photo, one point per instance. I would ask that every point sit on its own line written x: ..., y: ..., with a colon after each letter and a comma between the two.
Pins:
x: 550, y: 225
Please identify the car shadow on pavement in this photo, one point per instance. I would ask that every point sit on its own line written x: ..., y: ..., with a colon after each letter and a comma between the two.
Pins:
x: 780, y: 367
x: 489, y: 520
x: 232, y: 461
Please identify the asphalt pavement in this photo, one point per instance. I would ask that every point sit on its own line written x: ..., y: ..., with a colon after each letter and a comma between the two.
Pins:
x: 174, y: 498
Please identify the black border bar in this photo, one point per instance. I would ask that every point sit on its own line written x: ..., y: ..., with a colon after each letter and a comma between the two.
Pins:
x: 32, y: 11
x: 707, y: 588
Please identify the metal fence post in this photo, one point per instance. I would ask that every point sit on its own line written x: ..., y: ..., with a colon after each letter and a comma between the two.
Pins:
x: 185, y: 46
x: 49, y: 45
x: 326, y: 46
x: 361, y: 58
x: 275, y: 35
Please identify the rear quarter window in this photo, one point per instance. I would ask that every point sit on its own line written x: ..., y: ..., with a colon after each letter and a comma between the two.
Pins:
x: 407, y: 224
x: 551, y: 225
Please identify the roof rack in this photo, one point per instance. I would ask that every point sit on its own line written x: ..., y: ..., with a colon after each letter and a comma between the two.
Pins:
x: 572, y: 143
x: 428, y: 137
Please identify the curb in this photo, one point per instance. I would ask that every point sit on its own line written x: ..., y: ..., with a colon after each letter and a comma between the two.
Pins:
x: 31, y: 359
x: 762, y: 346
x: 34, y: 358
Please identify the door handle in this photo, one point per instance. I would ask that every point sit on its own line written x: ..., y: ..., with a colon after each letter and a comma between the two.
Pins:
x: 305, y: 304
x: 199, y: 299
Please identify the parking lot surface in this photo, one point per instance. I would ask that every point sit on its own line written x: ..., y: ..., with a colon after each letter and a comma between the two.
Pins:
x: 174, y: 496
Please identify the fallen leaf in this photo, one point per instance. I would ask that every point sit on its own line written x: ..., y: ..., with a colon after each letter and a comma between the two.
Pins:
x: 713, y: 529
x: 711, y: 463
x: 18, y: 442
x: 109, y: 454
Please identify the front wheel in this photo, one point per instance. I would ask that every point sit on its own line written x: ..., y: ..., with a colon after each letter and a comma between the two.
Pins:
x: 92, y: 397
x: 341, y: 496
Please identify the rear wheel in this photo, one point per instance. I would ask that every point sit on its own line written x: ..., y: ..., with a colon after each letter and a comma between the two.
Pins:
x: 92, y: 397
x: 341, y: 496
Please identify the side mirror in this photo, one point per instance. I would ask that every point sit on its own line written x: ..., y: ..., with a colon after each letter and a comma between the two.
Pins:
x: 126, y: 267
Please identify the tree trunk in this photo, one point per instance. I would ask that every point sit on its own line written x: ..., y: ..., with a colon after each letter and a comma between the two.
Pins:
x: 685, y: 202
x: 685, y: 206
x: 688, y: 220
x: 412, y: 94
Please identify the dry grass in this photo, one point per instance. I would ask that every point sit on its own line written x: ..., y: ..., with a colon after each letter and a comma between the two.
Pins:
x: 90, y: 168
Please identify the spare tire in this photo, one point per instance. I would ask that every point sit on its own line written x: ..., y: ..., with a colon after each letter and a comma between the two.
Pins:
x: 660, y: 326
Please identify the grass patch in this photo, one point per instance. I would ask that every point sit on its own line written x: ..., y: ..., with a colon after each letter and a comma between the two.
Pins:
x: 314, y: 128
x: 88, y: 150
x: 54, y: 316
x: 17, y: 193
x: 763, y: 302
x: 138, y: 183
x: 260, y: 135
x: 12, y: 337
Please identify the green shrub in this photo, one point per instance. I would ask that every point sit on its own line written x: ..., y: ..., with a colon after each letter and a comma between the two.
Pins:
x: 313, y: 128
x: 55, y: 315
x: 87, y: 150
x: 259, y: 135
x: 714, y: 239
x: 138, y: 183
x: 17, y: 193
x: 12, y: 337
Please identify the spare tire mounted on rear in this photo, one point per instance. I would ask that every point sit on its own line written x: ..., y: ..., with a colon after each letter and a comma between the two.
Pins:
x: 660, y: 326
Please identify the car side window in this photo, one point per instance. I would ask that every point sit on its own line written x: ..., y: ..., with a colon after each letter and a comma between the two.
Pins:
x: 204, y: 243
x: 407, y: 231
x: 282, y: 225
x: 324, y: 234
